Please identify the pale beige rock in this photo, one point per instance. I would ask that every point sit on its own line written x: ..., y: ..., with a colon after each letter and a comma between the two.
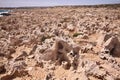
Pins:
x: 70, y: 27
x: 15, y: 66
x: 103, y: 38
x: 61, y: 51
x: 65, y: 65
x: 113, y: 45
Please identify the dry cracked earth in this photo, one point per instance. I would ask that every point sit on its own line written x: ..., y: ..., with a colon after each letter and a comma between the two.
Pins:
x: 60, y: 43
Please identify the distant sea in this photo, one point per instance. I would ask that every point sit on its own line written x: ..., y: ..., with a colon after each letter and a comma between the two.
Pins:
x: 4, y: 11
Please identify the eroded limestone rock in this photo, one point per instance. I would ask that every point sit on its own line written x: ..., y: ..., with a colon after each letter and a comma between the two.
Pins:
x: 60, y: 51
x: 103, y: 38
x: 15, y: 67
x: 112, y: 46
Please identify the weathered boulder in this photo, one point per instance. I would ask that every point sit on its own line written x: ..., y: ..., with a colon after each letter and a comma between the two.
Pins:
x: 103, y: 38
x: 112, y: 45
x: 15, y: 67
x: 70, y: 27
x: 59, y: 52
x: 21, y: 56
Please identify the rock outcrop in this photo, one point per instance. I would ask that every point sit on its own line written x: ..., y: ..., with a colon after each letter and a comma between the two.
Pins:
x: 112, y: 46
x: 61, y: 52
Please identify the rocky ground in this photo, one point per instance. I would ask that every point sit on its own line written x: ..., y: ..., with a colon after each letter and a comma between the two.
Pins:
x: 60, y: 43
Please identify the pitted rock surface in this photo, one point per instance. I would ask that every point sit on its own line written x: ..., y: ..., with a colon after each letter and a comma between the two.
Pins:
x: 61, y: 43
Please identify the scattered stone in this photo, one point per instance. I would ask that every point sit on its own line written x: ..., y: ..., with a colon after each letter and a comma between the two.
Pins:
x: 103, y: 38
x: 61, y: 51
x: 65, y: 65
x: 15, y: 67
x: 112, y: 45
x: 49, y: 76
x: 70, y: 27
x: 21, y: 56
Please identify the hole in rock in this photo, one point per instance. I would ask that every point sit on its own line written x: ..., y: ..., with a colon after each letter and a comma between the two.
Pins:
x: 60, y: 46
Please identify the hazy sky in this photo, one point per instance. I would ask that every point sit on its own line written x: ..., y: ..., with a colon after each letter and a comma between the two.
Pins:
x: 18, y: 3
